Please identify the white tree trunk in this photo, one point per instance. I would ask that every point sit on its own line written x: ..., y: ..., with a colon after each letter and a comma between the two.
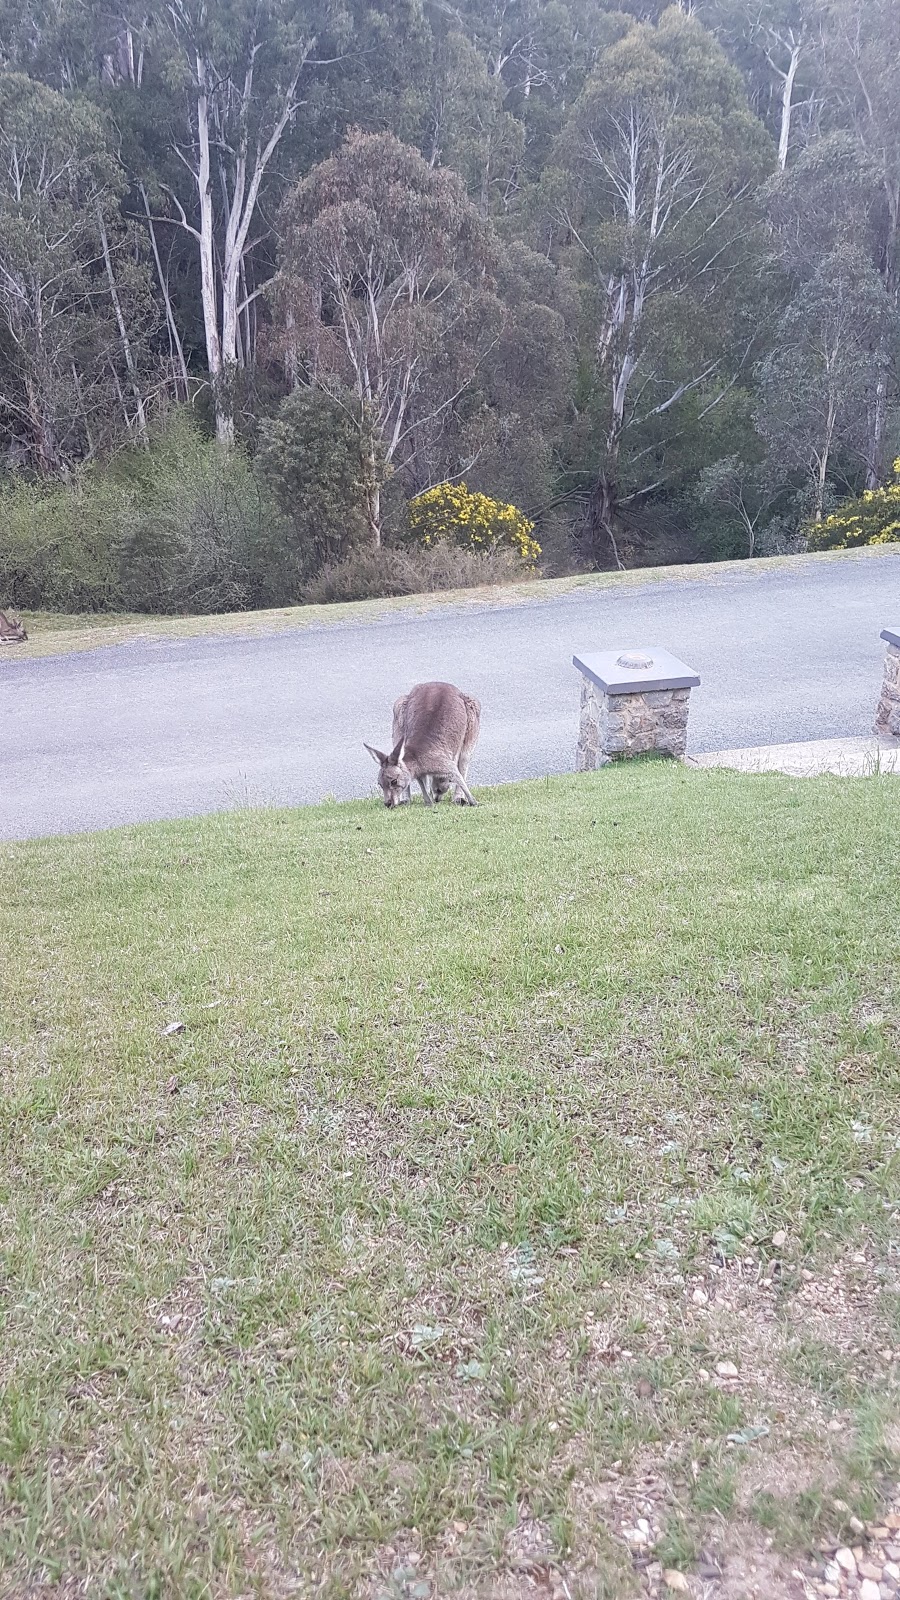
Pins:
x: 128, y: 353
x: 787, y: 105
x: 208, y: 294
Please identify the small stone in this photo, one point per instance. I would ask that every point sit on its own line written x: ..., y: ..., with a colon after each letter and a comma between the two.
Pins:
x: 703, y: 1375
x: 700, y: 1297
x: 878, y: 1532
x: 869, y: 1590
x: 653, y: 1571
x: 845, y: 1559
x: 726, y: 1369
x: 779, y: 1239
x: 892, y: 1521
x: 832, y: 1572
x: 830, y: 1589
x: 835, y: 1426
x: 676, y: 1581
x: 856, y: 1525
x: 892, y: 1571
x: 867, y: 1569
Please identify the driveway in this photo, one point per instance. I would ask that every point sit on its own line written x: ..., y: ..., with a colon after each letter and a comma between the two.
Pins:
x: 170, y: 728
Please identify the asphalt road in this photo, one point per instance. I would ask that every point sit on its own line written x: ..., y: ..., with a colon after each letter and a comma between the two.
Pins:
x: 147, y: 730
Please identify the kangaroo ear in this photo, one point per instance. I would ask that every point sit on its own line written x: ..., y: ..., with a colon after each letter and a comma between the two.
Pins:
x: 375, y: 754
x: 396, y: 755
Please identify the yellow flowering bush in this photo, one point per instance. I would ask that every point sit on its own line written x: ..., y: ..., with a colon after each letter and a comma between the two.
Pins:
x: 873, y: 518
x: 453, y: 512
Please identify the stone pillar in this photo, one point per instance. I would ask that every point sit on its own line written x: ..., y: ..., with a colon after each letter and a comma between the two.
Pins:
x: 633, y: 703
x: 887, y: 717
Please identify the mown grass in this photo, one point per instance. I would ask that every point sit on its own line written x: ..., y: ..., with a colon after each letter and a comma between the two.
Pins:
x: 406, y: 1267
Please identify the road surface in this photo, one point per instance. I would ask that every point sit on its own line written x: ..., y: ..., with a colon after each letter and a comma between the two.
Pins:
x: 171, y: 728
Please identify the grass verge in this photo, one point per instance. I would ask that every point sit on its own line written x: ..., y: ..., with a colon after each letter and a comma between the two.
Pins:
x: 53, y: 633
x: 515, y: 1213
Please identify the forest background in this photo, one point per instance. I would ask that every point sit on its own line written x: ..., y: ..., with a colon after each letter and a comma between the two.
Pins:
x: 302, y: 300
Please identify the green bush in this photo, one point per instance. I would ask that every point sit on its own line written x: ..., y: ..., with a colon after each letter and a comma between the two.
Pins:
x: 308, y: 459
x: 182, y: 526
x: 60, y: 545
x: 198, y: 533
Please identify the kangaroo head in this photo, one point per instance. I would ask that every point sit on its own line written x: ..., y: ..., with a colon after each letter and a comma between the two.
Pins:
x: 393, y: 776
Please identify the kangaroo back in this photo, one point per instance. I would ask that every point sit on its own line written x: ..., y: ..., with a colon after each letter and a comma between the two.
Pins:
x: 435, y: 721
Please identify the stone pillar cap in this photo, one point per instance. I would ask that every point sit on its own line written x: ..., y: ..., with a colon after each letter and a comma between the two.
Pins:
x: 657, y: 669
x: 892, y: 635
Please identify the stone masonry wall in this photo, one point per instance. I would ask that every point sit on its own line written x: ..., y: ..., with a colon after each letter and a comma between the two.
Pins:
x: 617, y: 726
x: 887, y: 717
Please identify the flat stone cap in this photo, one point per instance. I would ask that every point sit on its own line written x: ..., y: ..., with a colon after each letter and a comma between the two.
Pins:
x: 892, y: 635
x: 653, y: 668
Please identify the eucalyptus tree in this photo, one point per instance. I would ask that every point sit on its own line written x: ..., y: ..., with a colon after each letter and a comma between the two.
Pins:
x: 659, y: 166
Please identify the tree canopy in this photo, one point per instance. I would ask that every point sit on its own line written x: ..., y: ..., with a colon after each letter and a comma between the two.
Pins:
x: 632, y: 268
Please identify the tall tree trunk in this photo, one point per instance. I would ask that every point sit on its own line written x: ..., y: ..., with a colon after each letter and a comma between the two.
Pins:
x: 208, y: 288
x: 128, y: 353
x: 372, y: 493
x: 174, y: 336
x: 602, y: 519
x: 787, y: 104
x: 824, y: 457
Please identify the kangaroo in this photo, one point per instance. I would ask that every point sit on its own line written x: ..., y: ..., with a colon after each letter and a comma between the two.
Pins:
x: 435, y: 730
x: 12, y: 631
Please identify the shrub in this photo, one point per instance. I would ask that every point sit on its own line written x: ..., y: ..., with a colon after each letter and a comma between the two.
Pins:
x: 60, y: 545
x: 308, y: 459
x: 872, y: 518
x: 454, y: 513
x: 374, y: 573
x: 198, y: 534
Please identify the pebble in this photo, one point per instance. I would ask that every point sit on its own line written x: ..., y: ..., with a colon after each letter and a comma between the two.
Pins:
x: 700, y: 1297
x: 779, y: 1239
x: 869, y: 1590
x: 677, y: 1582
x: 867, y: 1570
x: 726, y: 1369
x: 892, y: 1571
x: 830, y: 1589
x: 832, y: 1572
x: 845, y: 1559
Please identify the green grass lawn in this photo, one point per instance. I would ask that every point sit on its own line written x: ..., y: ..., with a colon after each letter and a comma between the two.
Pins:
x: 406, y: 1268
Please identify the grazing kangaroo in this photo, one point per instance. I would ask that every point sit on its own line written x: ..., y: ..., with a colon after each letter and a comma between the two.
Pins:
x: 11, y: 630
x: 435, y: 731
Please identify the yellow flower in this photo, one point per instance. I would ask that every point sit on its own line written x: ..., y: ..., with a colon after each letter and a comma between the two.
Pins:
x: 471, y: 519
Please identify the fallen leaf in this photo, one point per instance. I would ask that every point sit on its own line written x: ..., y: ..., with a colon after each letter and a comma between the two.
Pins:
x: 748, y: 1435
